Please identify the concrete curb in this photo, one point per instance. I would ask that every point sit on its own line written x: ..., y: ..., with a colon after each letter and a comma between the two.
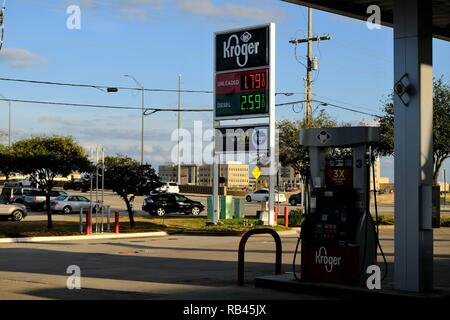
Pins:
x: 294, y: 232
x: 85, y: 237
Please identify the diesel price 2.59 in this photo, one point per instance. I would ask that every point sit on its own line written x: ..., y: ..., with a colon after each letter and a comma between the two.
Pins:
x: 255, y: 101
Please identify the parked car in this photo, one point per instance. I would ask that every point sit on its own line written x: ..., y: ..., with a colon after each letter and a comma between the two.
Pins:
x: 15, y: 212
x: 169, y: 187
x: 29, y: 182
x: 79, y: 184
x: 14, y: 194
x: 68, y: 204
x: 35, y: 199
x: 263, y: 195
x: 295, y: 199
x: 162, y: 203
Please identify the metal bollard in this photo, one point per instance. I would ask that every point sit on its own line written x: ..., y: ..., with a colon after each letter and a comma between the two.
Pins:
x: 81, y: 221
x: 286, y: 217
x: 116, y: 222
x: 96, y: 218
x: 101, y: 218
x: 108, y: 219
x: 88, y: 222
x: 275, y: 211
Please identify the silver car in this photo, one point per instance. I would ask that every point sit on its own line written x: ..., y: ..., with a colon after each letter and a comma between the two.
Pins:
x: 13, y: 211
x: 68, y: 204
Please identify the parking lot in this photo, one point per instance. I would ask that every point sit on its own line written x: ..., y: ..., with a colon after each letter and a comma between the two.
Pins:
x: 172, y: 267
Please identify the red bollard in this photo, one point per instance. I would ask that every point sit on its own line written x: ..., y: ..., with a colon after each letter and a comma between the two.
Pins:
x: 275, y: 209
x: 286, y: 217
x: 88, y: 222
x: 116, y: 222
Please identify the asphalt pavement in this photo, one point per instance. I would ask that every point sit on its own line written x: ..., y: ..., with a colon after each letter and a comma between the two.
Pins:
x: 171, y: 267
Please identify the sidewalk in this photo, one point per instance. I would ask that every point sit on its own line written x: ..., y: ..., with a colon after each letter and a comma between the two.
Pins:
x: 102, y: 236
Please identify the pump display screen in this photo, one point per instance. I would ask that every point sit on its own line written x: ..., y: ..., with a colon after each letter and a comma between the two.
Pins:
x: 339, y: 173
x: 242, y: 92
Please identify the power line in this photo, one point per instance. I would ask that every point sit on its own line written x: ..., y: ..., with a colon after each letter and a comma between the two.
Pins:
x: 100, y: 106
x: 101, y: 86
x: 325, y: 104
x: 343, y: 102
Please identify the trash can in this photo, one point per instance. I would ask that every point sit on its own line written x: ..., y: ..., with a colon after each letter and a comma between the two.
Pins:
x: 436, y: 207
x: 239, y: 208
x: 209, y: 208
x: 226, y: 207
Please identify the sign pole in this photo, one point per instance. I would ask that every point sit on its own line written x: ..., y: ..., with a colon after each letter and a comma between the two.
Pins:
x: 215, y: 180
x: 273, y: 165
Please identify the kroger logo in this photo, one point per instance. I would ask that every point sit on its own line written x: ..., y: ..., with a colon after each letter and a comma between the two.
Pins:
x: 232, y: 48
x: 329, y: 262
x: 246, y: 37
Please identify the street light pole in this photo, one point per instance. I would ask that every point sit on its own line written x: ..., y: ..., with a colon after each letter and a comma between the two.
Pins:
x: 142, y: 115
x: 179, y: 125
x: 9, y: 119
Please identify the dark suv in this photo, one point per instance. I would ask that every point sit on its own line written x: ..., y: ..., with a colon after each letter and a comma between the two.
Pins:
x: 81, y: 184
x: 162, y: 203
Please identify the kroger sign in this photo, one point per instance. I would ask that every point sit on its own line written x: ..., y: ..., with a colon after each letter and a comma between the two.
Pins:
x: 242, y: 49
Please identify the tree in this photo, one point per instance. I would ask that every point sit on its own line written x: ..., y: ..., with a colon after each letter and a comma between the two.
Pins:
x: 48, y: 157
x: 127, y: 177
x: 6, y: 161
x: 291, y: 153
x: 441, y: 127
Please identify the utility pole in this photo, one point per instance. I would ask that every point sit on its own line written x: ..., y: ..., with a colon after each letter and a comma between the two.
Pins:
x: 179, y: 126
x: 312, y: 64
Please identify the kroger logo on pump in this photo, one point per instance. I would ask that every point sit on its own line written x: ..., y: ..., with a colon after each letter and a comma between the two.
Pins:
x: 233, y: 48
x: 328, y: 261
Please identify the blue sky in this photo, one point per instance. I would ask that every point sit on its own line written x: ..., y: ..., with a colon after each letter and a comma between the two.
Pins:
x: 155, y: 40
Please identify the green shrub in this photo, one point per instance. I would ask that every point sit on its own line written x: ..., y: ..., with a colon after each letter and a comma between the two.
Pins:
x: 296, y: 218
x: 385, y: 220
x: 445, y: 222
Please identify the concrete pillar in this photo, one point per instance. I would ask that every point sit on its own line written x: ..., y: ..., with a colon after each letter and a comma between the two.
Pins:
x: 413, y: 147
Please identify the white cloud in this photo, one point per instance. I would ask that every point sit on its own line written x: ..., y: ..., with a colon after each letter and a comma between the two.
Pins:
x: 133, y: 13
x: 209, y: 8
x: 20, y: 58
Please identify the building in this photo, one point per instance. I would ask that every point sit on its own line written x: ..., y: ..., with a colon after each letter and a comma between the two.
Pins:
x: 236, y: 174
x: 189, y: 173
x: 289, y: 179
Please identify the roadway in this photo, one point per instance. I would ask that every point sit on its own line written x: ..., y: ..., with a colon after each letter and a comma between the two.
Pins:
x: 117, y: 204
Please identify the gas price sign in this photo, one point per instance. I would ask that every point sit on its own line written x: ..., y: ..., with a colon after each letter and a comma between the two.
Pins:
x: 242, y: 93
x: 242, y: 78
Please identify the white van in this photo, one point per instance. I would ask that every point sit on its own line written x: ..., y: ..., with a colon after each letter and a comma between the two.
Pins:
x: 169, y: 187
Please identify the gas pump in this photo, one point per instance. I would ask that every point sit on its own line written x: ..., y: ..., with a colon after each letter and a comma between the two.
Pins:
x: 338, y: 239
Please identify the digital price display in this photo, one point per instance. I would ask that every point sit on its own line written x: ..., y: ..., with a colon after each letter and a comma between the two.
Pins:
x: 242, y: 92
x: 253, y: 102
x: 254, y: 80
